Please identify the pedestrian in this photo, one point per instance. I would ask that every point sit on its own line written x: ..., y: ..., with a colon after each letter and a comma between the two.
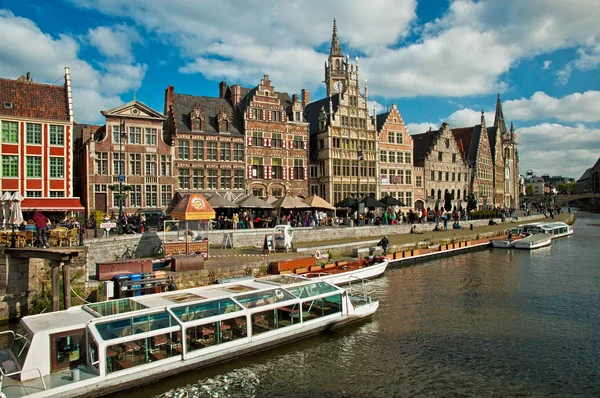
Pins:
x: 445, y: 222
x: 41, y: 225
x: 172, y: 286
x: 384, y: 244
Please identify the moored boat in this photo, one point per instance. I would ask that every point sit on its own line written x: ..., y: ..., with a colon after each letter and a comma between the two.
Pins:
x: 556, y: 229
x: 342, y: 274
x: 104, y: 347
x: 534, y: 241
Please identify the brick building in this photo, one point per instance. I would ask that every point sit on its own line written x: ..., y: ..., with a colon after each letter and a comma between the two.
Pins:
x: 445, y: 172
x: 131, y: 144
x: 343, y: 137
x: 395, y: 157
x: 36, y: 121
x: 208, y: 140
x: 276, y: 141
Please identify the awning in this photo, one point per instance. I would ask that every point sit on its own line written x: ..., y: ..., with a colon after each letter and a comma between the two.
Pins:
x: 52, y: 204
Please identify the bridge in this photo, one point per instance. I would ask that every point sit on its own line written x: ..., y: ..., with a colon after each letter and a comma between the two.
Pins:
x: 577, y: 199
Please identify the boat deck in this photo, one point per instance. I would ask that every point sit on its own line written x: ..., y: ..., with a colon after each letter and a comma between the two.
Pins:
x: 13, y: 388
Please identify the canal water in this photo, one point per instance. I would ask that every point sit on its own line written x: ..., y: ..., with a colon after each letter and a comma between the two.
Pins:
x: 488, y: 323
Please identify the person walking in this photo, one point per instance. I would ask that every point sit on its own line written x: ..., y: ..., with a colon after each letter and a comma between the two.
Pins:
x: 384, y: 242
x: 41, y: 225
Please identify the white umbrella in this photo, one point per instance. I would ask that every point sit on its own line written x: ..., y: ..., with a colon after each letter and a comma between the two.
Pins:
x: 16, y: 215
x: 5, y: 210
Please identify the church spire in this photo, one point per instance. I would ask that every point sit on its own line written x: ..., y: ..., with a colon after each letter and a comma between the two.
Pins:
x: 499, y: 117
x: 335, y: 43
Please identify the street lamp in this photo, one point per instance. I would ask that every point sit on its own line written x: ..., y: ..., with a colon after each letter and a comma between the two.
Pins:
x: 121, y: 176
x: 359, y: 156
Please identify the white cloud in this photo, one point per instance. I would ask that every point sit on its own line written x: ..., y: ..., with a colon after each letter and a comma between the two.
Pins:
x: 557, y: 149
x: 114, y: 41
x: 46, y: 56
x: 547, y: 64
x: 576, y: 107
x: 419, y: 128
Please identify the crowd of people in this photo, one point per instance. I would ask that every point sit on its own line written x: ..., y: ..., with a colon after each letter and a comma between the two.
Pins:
x: 247, y: 219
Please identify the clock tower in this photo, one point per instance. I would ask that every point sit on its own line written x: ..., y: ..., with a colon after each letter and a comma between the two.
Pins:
x: 336, y: 68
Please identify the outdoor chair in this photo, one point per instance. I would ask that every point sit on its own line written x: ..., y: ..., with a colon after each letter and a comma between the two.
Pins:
x: 57, y: 236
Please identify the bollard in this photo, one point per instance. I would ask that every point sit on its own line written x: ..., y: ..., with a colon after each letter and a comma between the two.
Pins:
x: 471, y: 227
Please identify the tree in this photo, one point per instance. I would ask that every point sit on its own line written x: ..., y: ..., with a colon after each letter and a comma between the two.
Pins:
x: 529, y: 190
x: 566, y: 189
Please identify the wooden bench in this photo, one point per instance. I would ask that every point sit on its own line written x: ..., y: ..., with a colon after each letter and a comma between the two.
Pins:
x: 315, y: 268
x: 327, y: 266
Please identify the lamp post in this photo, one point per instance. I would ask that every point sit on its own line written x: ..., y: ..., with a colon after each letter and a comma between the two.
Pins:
x: 121, y: 176
x: 359, y: 156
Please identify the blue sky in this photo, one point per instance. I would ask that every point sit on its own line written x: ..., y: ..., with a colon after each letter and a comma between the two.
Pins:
x: 438, y: 60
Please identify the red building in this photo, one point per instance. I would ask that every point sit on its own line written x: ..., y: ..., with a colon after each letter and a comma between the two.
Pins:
x: 36, y: 121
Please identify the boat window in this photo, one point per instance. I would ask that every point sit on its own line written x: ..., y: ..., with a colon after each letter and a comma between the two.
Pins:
x: 142, y: 351
x: 205, y: 310
x: 260, y: 299
x: 21, y: 344
x: 134, y: 325
x: 213, y: 333
x: 314, y: 309
x: 93, y: 354
x: 314, y: 289
x: 275, y: 319
x: 65, y: 350
x: 113, y: 307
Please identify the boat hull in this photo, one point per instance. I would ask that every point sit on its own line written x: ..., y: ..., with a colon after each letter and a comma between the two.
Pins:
x: 115, y: 384
x: 346, y: 277
x: 531, y: 244
x: 503, y: 243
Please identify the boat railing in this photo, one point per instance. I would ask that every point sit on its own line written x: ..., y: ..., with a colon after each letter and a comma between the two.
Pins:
x: 363, y: 287
x: 3, y: 375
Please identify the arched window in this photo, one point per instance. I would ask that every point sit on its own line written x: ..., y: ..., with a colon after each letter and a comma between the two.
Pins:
x: 432, y: 193
x: 458, y: 194
x: 337, y: 64
x: 453, y: 194
x: 439, y: 195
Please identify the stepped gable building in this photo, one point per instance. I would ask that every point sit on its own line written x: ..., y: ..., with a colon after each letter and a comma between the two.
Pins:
x: 36, y: 121
x: 395, y: 158
x: 445, y: 172
x: 130, y: 144
x: 474, y: 145
x: 208, y: 140
x: 276, y: 141
x: 343, y: 137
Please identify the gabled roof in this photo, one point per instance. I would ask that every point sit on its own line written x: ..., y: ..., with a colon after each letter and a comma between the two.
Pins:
x: 467, y: 139
x: 381, y: 119
x: 597, y: 165
x: 210, y: 108
x: 313, y: 110
x: 33, y: 100
x: 143, y: 111
x: 421, y: 145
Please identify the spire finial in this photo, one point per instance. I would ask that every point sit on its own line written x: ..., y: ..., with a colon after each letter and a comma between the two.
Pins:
x: 335, y: 42
x: 134, y: 95
x: 482, y: 116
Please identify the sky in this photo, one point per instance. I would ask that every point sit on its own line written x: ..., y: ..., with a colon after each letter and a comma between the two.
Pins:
x: 438, y: 60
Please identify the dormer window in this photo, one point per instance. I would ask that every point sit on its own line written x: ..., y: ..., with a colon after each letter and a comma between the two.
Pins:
x: 8, y: 105
x: 196, y: 118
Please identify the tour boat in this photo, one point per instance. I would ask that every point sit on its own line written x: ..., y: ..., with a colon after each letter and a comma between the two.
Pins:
x: 534, y: 241
x: 556, y: 229
x: 505, y: 243
x: 345, y: 273
x: 104, y: 347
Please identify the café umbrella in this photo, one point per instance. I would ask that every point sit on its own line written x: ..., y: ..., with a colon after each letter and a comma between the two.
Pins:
x: 192, y: 207
x: 5, y: 201
x: 16, y: 215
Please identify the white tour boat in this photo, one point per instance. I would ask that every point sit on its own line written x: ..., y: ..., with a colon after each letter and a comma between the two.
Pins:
x: 556, y: 229
x: 347, y: 273
x: 105, y: 347
x: 534, y: 241
x: 506, y: 243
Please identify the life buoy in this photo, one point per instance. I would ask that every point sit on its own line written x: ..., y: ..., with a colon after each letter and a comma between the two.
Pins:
x: 317, y: 254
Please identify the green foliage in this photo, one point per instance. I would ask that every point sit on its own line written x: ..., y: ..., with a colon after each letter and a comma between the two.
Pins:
x: 565, y: 189
x: 330, y: 255
x: 42, y: 300
x: 529, y: 190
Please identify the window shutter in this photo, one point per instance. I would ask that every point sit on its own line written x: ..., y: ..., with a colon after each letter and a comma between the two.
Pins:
x: 269, y: 173
x: 283, y: 143
x: 305, y: 173
x: 305, y: 144
x: 250, y: 113
x: 266, y: 172
x: 249, y: 141
x: 291, y: 144
x: 269, y: 116
x: 269, y: 142
x: 284, y: 169
x: 249, y: 172
x: 264, y: 115
x: 265, y: 142
x: 291, y: 173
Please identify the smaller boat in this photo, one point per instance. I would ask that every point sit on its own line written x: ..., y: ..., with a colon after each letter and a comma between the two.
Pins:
x: 533, y: 241
x: 345, y: 273
x: 514, y: 235
x: 556, y: 229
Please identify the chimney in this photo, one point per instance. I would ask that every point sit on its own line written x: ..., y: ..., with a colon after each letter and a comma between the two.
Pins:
x: 169, y: 98
x: 69, y: 92
x: 28, y: 77
x: 236, y: 96
x: 222, y: 89
x: 305, y: 97
x: 294, y: 98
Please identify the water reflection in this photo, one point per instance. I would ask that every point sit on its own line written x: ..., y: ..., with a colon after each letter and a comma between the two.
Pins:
x: 489, y: 323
